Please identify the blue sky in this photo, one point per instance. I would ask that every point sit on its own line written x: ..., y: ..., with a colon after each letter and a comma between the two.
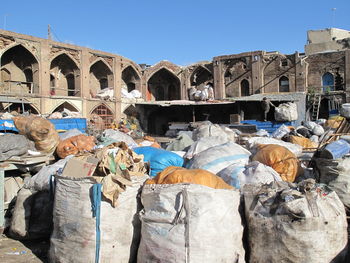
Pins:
x: 180, y: 31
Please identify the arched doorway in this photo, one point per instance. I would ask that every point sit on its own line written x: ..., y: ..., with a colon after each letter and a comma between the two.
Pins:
x: 101, y: 77
x: 164, y: 85
x: 328, y: 82
x: 283, y: 84
x: 19, y: 71
x: 200, y: 77
x: 131, y: 79
x: 245, y: 88
x: 65, y: 76
x: 19, y: 107
x: 102, y: 117
x: 65, y: 105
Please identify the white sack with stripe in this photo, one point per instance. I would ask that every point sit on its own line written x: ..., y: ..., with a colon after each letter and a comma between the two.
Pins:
x: 219, y: 157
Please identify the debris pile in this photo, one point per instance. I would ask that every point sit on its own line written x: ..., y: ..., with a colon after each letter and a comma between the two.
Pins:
x: 123, y: 198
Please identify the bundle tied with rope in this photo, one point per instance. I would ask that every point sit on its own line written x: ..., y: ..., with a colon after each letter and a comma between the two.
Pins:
x: 118, y: 164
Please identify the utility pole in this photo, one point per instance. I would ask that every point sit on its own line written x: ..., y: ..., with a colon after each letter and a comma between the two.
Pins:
x: 49, y: 36
x: 333, y: 16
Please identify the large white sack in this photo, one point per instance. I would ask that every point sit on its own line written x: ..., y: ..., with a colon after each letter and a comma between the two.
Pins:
x: 286, y: 112
x: 208, y: 130
x: 258, y: 173
x: 219, y: 157
x: 336, y: 174
x: 255, y: 172
x: 254, y: 141
x: 119, y: 137
x: 318, y: 130
x: 41, y: 180
x: 203, y: 144
x: 289, y: 224
x: 280, y: 132
x: 74, y: 235
x: 190, y: 223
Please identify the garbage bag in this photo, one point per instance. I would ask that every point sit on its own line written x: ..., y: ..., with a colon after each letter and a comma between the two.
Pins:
x: 302, y: 141
x: 39, y: 130
x: 74, y: 233
x: 181, y: 142
x: 294, y: 223
x: 190, y: 223
x: 286, y: 112
x: 75, y: 145
x: 118, y: 136
x: 209, y: 129
x: 69, y: 133
x: 159, y: 159
x: 13, y: 145
x: 280, y: 132
x: 254, y: 142
x: 203, y: 144
x: 318, y: 130
x: 32, y: 215
x: 175, y: 175
x: 336, y: 174
x: 219, y: 157
x: 304, y: 132
x: 280, y: 159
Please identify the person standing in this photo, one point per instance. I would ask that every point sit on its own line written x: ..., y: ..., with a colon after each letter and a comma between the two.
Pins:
x: 265, y: 104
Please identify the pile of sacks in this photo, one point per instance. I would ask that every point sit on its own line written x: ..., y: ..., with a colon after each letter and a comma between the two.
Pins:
x: 153, y: 205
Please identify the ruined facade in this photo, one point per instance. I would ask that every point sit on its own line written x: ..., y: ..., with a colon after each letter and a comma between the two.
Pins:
x: 52, y: 76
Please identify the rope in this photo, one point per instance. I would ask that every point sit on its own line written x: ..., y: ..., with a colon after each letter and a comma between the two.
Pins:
x: 96, y: 209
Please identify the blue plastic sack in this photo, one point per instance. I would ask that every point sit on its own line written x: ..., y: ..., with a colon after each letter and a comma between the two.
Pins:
x: 159, y: 159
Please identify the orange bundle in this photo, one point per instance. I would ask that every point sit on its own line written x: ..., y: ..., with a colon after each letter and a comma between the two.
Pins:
x: 280, y: 159
x: 75, y: 145
x: 176, y: 175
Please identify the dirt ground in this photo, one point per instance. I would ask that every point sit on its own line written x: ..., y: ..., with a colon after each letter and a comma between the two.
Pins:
x: 14, y: 251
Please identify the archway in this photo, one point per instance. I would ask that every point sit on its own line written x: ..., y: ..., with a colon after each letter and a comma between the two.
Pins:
x: 65, y: 105
x: 164, y: 85
x: 131, y: 79
x: 19, y: 107
x: 245, y: 88
x: 200, y: 77
x: 102, y: 117
x: 328, y: 82
x: 283, y: 84
x: 19, y: 71
x: 101, y: 77
x: 66, y: 76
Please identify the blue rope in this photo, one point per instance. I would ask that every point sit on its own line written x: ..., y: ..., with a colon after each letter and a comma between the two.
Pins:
x: 96, y: 209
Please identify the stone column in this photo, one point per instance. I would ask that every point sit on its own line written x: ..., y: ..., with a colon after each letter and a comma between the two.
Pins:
x: 117, y: 86
x: 44, y: 77
x: 256, y: 74
x: 347, y: 75
x: 300, y: 73
x: 219, y: 83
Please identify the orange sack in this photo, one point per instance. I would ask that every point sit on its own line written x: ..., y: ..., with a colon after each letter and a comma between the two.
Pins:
x: 280, y: 159
x: 303, y: 142
x: 39, y: 130
x: 176, y: 175
x: 75, y: 145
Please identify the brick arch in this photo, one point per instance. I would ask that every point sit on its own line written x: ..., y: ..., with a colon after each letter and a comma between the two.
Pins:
x: 12, y: 45
x: 171, y: 67
x: 135, y: 66
x: 67, y: 54
x: 103, y: 61
x: 102, y: 116
x: 62, y: 103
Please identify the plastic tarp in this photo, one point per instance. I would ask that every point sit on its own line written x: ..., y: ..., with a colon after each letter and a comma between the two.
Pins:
x: 181, y: 142
x: 219, y: 157
x: 190, y: 223
x: 159, y: 159
x: 74, y: 235
x: 208, y: 130
x: 291, y: 223
x: 118, y: 136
